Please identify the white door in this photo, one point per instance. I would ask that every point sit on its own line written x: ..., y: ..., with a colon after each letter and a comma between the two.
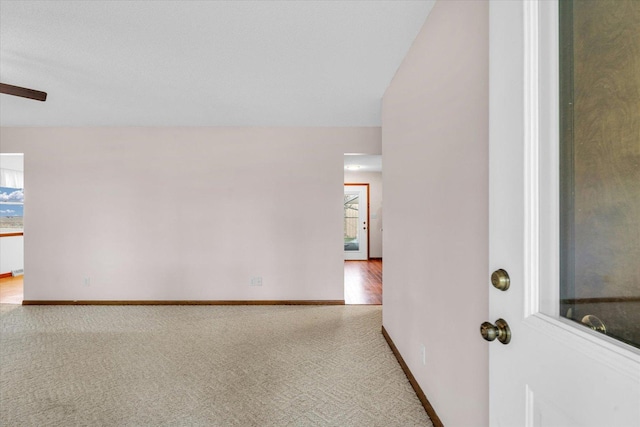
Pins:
x: 554, y: 371
x: 356, y: 222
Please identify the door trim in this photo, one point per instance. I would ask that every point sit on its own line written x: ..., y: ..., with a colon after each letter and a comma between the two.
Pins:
x: 368, y: 219
x: 531, y: 157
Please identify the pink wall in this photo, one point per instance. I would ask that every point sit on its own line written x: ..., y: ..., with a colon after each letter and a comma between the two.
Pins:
x: 435, y: 150
x: 184, y: 213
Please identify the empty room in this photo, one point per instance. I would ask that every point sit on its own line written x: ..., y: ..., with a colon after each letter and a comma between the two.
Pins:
x: 197, y: 198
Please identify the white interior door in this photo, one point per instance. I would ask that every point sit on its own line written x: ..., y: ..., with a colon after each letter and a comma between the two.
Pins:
x: 356, y: 222
x: 554, y: 371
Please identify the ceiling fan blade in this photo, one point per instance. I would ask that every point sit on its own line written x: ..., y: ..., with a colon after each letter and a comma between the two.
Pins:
x: 23, y: 92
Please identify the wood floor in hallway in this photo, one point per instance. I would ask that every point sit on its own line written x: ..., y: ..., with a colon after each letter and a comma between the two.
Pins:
x: 363, y: 282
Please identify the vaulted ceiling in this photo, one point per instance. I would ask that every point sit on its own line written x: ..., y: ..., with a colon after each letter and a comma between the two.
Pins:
x: 203, y: 63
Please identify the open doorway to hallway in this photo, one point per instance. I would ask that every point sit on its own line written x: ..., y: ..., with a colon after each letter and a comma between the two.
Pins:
x: 363, y: 229
x: 11, y: 228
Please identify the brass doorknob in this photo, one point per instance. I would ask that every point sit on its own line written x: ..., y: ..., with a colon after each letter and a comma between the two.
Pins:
x: 594, y: 323
x: 500, y: 330
x: 500, y: 279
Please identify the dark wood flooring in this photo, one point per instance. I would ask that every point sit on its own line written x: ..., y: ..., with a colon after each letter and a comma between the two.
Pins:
x: 363, y: 282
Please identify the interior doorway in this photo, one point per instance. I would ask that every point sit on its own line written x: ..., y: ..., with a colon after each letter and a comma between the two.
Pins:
x: 11, y: 228
x: 362, y: 229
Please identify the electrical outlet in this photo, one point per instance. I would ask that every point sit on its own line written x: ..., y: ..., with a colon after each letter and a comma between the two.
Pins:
x: 256, y: 281
x: 423, y: 355
x: 87, y: 281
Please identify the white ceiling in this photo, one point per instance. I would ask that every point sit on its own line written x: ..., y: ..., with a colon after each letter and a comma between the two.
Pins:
x: 203, y: 63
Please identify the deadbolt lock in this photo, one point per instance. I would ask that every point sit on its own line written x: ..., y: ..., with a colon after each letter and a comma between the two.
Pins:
x: 500, y: 279
x: 500, y: 330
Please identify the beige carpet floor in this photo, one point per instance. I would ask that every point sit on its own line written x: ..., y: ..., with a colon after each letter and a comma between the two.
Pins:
x: 200, y: 366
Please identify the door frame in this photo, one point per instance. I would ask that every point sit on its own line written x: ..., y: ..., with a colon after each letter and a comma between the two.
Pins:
x: 368, y: 219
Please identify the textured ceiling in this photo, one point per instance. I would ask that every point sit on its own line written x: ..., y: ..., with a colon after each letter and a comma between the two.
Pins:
x: 203, y: 63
